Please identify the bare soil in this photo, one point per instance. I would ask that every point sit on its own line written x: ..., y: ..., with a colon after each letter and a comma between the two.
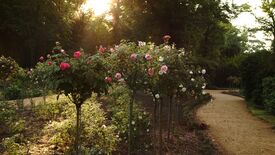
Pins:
x: 234, y: 129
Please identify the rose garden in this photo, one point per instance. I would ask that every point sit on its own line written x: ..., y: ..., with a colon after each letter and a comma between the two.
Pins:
x: 76, y: 79
x: 93, y: 103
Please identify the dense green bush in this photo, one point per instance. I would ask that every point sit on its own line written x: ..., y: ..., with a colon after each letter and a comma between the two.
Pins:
x: 7, y: 112
x: 16, y: 82
x: 8, y: 69
x: 228, y: 72
x: 17, y: 87
x: 269, y: 94
x: 254, y: 69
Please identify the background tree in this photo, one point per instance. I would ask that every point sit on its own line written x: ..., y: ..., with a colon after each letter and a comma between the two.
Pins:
x: 29, y: 28
x: 268, y: 21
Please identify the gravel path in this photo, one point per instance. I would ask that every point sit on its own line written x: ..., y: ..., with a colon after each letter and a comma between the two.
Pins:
x: 234, y: 129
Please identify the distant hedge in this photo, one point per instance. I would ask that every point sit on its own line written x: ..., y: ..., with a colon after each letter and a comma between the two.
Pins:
x: 269, y: 94
x: 256, y: 67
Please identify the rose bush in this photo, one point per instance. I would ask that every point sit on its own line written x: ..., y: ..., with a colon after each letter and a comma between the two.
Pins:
x: 162, y: 70
x: 76, y: 75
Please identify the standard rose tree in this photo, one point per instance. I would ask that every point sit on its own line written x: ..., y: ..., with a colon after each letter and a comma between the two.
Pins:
x: 163, y: 70
x: 76, y: 76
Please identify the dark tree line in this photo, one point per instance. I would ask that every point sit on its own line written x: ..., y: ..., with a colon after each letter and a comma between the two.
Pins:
x: 29, y: 28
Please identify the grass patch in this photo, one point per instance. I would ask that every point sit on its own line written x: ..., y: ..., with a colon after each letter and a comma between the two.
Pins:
x: 262, y: 114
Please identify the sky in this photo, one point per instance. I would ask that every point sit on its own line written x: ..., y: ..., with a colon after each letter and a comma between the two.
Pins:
x: 246, y: 19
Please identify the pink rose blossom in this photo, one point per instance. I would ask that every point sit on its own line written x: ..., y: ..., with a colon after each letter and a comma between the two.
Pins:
x: 133, y: 57
x: 50, y: 63
x: 101, y: 49
x: 151, y: 72
x: 164, y: 69
x: 41, y: 58
x: 118, y: 76
x: 148, y: 57
x: 166, y: 38
x: 108, y: 79
x: 77, y: 54
x: 63, y: 66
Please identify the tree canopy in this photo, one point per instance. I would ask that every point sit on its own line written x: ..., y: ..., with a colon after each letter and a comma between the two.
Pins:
x: 29, y: 28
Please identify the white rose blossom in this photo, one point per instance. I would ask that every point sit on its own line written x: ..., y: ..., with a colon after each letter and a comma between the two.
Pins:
x: 141, y: 43
x: 203, y: 71
x: 157, y: 96
x: 167, y: 47
x: 161, y: 59
x: 183, y: 89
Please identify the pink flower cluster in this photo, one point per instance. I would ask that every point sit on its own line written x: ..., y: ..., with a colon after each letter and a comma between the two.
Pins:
x: 164, y: 69
x: 118, y: 76
x: 41, y: 58
x: 101, y: 49
x: 148, y: 57
x: 77, y: 54
x: 108, y: 79
x: 151, y: 72
x: 133, y: 56
x: 166, y: 38
x: 63, y: 66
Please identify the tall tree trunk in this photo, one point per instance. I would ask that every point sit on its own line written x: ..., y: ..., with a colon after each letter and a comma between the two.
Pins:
x: 116, y: 12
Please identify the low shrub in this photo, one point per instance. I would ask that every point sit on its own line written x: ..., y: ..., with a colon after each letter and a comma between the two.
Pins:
x: 269, y: 94
x: 8, y: 117
x: 7, y: 112
x: 17, y: 126
x: 98, y: 136
x: 14, y: 146
x: 118, y: 111
x: 52, y: 109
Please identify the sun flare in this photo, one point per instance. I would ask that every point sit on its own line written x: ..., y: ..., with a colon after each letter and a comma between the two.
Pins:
x: 99, y: 7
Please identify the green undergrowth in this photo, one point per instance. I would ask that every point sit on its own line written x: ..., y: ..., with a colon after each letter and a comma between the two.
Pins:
x: 262, y: 114
x: 256, y: 110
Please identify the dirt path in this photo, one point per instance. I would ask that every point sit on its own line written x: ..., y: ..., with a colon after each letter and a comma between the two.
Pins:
x: 234, y: 129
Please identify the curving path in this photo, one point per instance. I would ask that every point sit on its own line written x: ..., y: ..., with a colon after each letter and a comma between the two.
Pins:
x: 234, y: 129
